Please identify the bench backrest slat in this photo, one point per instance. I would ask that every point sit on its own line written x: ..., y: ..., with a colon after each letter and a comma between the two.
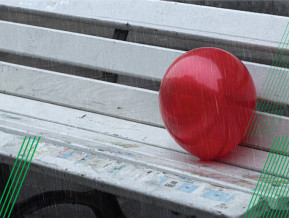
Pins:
x: 250, y: 36
x: 238, y: 26
x: 111, y: 99
x: 86, y: 51
x: 92, y: 95
x: 113, y: 56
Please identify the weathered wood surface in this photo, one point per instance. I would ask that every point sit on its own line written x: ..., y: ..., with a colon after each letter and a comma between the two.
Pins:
x: 112, y: 99
x: 130, y: 144
x: 158, y: 23
x: 120, y: 177
x: 115, y: 56
x: 126, y: 142
x: 252, y: 29
x: 152, y: 138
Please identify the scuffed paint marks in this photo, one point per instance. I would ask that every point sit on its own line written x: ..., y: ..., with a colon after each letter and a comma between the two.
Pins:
x: 187, y: 187
x: 217, y: 195
x: 178, y: 185
x: 125, y: 145
x: 65, y: 153
x: 126, y: 175
x: 115, y: 169
x: 162, y: 180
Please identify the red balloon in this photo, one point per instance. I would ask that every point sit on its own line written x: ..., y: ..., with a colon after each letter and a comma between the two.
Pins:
x: 207, y: 98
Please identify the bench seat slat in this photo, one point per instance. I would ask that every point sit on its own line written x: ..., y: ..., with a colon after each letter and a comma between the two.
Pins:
x: 112, y: 175
x: 102, y: 97
x: 147, y: 138
x: 154, y: 156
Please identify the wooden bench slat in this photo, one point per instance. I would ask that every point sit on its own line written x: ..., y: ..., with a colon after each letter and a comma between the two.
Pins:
x: 143, y: 138
x: 92, y: 95
x: 255, y: 159
x: 100, y: 130
x: 113, y: 175
x: 241, y: 27
x: 114, y: 56
x: 138, y: 33
x: 267, y: 128
x: 154, y: 156
x: 76, y: 92
x: 87, y: 51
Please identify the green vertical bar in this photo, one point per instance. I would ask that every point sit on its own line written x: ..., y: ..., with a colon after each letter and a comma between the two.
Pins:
x: 264, y: 170
x: 272, y: 189
x: 14, y: 177
x: 251, y: 131
x: 18, y: 179
x: 277, y: 94
x: 12, y: 170
x: 23, y: 178
x: 269, y: 176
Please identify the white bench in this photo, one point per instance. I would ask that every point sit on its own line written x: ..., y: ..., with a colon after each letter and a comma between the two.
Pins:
x: 109, y: 136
